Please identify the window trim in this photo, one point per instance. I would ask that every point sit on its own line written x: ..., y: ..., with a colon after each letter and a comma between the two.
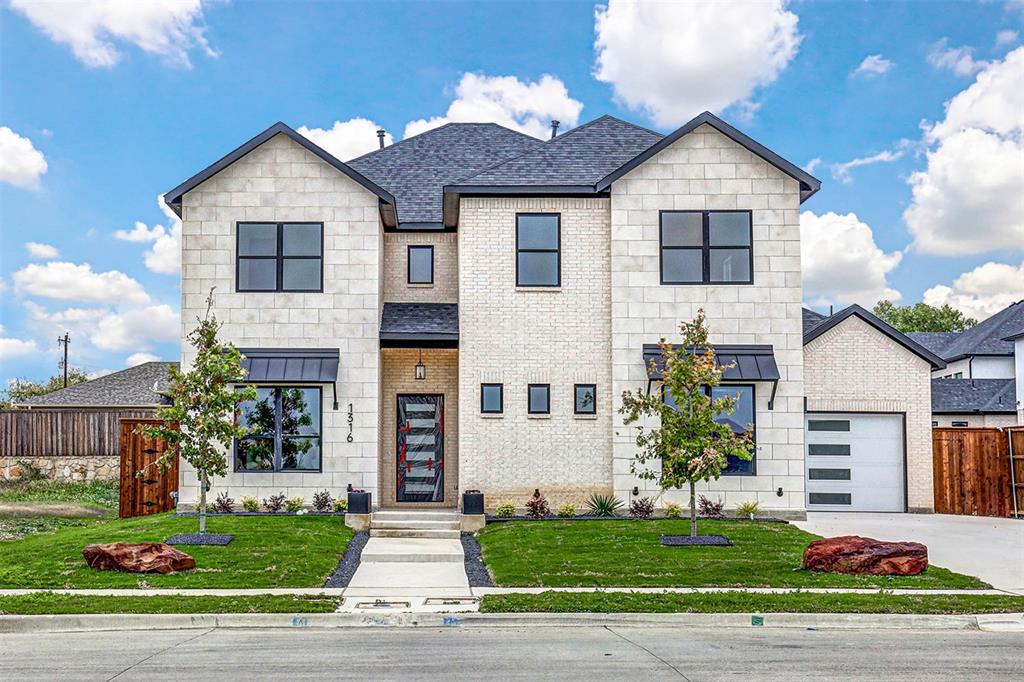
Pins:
x: 575, y: 406
x: 279, y: 437
x: 279, y: 257
x: 705, y: 248
x: 529, y: 407
x: 501, y: 398
x: 408, y: 263
x: 557, y: 251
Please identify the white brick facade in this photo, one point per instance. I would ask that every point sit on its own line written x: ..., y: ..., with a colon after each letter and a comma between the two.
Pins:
x: 397, y: 289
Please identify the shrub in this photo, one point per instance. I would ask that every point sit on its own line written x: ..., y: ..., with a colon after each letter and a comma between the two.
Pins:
x: 340, y: 505
x: 673, y: 511
x: 567, y: 511
x: 641, y: 508
x: 250, y: 504
x: 295, y: 504
x: 709, y: 509
x: 322, y: 501
x: 224, y: 504
x: 506, y: 511
x: 603, y: 505
x: 274, y: 503
x: 748, y: 509
x: 537, y: 506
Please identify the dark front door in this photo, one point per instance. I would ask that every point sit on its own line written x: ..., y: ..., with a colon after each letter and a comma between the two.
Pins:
x: 420, y: 448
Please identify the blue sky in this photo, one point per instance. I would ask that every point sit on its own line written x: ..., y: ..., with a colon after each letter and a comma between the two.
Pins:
x: 121, y: 109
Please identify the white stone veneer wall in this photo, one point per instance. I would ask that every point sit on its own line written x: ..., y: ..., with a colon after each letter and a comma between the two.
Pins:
x: 705, y: 170
x: 281, y: 181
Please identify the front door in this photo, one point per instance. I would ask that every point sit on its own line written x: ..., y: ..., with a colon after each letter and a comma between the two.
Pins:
x: 420, y: 448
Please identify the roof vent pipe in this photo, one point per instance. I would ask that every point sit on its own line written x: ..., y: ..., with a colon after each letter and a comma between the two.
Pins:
x: 554, y: 128
x: 380, y: 136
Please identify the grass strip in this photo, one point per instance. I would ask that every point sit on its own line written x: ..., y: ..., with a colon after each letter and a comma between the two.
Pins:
x: 99, y: 494
x: 43, y: 603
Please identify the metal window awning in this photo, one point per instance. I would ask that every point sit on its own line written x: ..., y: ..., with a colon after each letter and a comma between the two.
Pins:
x: 292, y: 366
x: 749, y: 363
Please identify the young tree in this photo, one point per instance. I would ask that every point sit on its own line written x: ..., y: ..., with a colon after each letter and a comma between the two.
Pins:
x: 201, y: 422
x: 687, y: 445
x: 922, y: 317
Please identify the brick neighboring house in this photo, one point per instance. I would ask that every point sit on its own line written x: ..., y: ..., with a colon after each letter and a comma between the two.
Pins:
x: 463, y: 309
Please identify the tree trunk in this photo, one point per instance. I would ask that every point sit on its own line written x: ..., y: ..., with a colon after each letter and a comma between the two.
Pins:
x: 203, y: 484
x: 693, y: 509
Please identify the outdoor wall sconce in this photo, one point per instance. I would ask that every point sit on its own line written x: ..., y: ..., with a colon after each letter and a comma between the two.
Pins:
x: 636, y: 490
x: 421, y: 369
x: 779, y: 492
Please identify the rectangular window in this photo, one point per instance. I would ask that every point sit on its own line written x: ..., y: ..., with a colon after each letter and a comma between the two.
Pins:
x: 284, y: 430
x: 706, y: 247
x: 828, y: 424
x: 829, y: 498
x: 538, y: 399
x: 828, y: 449
x: 421, y: 265
x: 280, y: 257
x: 586, y: 399
x: 492, y: 398
x: 828, y: 474
x: 959, y: 424
x: 741, y: 420
x: 538, y: 250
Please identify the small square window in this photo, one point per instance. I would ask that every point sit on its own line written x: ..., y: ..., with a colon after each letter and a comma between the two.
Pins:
x: 421, y: 265
x: 492, y: 398
x: 539, y: 399
x: 586, y: 399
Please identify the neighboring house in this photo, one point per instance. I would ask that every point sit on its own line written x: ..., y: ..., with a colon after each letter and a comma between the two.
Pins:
x: 983, y: 382
x: 868, y: 439
x: 463, y: 310
x: 74, y: 433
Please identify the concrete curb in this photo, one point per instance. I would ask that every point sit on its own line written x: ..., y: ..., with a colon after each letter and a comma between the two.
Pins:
x: 128, y: 622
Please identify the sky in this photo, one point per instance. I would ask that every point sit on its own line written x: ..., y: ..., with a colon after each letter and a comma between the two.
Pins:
x: 911, y: 114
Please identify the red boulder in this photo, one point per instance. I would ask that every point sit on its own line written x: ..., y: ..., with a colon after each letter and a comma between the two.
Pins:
x: 857, y: 555
x: 137, y: 557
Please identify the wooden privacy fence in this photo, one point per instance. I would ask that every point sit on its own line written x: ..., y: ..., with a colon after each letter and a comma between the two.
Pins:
x: 149, y: 493
x: 972, y: 474
x: 80, y: 432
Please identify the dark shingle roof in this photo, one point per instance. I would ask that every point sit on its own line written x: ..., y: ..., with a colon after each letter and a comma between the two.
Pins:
x: 416, y: 169
x: 582, y: 156
x: 936, y: 342
x: 416, y: 320
x: 132, y: 386
x: 812, y: 319
x: 988, y: 337
x: 984, y: 396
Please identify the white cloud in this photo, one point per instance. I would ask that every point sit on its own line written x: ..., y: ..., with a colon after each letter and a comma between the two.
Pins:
x: 346, y: 140
x: 526, y: 106
x: 874, y: 65
x: 813, y: 164
x: 93, y: 30
x: 127, y: 330
x: 959, y: 60
x: 1006, y: 37
x: 164, y: 256
x: 970, y: 197
x: 673, y: 60
x: 140, y: 233
x: 983, y: 291
x: 68, y: 281
x: 16, y: 348
x: 21, y: 163
x: 37, y: 250
x: 139, y: 358
x: 841, y: 171
x: 842, y: 263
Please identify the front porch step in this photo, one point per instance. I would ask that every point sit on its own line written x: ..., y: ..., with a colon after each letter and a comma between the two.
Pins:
x: 414, y: 525
x: 415, y: 515
x: 413, y: 533
x: 409, y: 550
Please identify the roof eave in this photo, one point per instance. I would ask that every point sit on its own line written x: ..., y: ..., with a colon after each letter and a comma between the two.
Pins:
x: 893, y: 333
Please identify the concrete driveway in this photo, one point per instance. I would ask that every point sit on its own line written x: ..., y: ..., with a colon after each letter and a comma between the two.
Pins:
x: 990, y: 548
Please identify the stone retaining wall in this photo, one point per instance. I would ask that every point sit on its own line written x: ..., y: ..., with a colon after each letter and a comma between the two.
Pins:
x: 63, y: 468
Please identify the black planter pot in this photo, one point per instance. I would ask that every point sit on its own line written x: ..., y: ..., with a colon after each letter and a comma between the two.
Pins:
x: 359, y: 503
x: 472, y: 503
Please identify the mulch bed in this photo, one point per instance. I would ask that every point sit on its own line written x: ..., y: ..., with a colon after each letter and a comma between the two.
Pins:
x: 476, y: 572
x: 197, y: 539
x: 699, y: 541
x: 350, y: 562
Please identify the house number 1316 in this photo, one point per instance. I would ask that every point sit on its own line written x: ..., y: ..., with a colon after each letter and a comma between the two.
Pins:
x: 351, y: 419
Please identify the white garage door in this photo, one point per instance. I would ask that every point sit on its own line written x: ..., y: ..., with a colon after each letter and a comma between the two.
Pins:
x: 854, y: 462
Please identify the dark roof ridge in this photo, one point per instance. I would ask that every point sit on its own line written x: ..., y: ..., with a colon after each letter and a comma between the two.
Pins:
x: 442, y: 127
x: 629, y: 123
x: 899, y: 337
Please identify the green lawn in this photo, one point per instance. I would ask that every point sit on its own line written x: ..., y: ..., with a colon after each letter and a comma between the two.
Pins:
x: 48, y: 603
x: 285, y: 551
x: 94, y: 494
x: 17, y: 527
x: 745, y: 602
x: 629, y: 554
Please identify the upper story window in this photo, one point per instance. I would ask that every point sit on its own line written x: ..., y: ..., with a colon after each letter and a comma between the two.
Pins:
x: 538, y: 250
x: 284, y: 430
x: 706, y: 247
x: 280, y: 257
x: 421, y: 265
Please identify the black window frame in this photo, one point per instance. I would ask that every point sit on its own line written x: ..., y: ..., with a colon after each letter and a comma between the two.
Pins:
x: 279, y: 437
x: 575, y: 399
x: 279, y: 257
x: 959, y: 424
x: 753, y: 424
x: 529, y: 401
x: 408, y: 263
x: 557, y: 251
x: 501, y: 398
x: 705, y: 248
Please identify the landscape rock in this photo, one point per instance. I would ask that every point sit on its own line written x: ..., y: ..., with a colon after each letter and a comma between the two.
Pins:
x: 137, y: 557
x: 856, y: 555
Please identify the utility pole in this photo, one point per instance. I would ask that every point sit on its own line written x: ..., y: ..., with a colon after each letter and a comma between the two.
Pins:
x: 65, y: 341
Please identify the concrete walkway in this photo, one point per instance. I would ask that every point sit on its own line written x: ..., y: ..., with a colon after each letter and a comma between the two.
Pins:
x: 989, y: 548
